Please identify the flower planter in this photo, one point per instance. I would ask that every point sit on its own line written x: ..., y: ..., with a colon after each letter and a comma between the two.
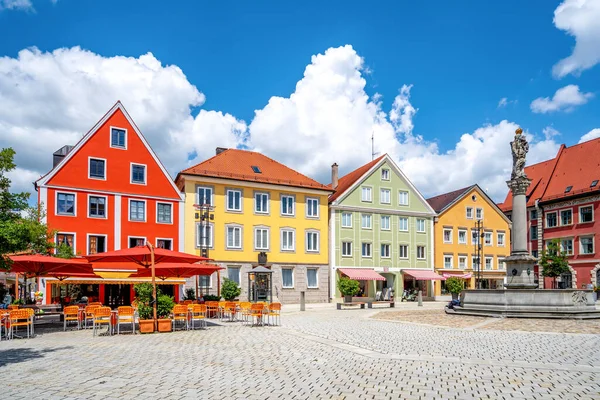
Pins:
x: 347, y: 299
x: 146, y: 326
x: 164, y: 325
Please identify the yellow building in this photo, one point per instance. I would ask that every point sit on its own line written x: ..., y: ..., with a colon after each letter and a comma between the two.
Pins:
x: 457, y: 238
x: 258, y: 207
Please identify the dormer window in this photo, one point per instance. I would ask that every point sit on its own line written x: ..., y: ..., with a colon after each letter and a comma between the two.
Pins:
x: 385, y: 174
x: 256, y: 169
x: 568, y: 189
x: 118, y: 138
x: 594, y: 183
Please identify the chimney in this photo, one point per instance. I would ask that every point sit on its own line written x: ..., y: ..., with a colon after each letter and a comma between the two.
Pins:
x: 334, y: 176
x: 220, y: 150
x: 59, y: 154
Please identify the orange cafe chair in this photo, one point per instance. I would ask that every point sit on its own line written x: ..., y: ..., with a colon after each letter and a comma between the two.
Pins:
x: 21, y: 317
x: 245, y: 310
x: 125, y: 315
x: 257, y: 311
x: 71, y: 314
x: 180, y: 314
x: 13, y: 307
x: 275, y: 313
x: 101, y: 317
x: 89, y: 315
x: 198, y: 313
x: 212, y: 308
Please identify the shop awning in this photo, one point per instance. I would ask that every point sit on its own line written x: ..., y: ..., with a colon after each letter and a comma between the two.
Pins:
x: 423, y: 275
x: 362, y: 274
x: 115, y: 281
x: 461, y: 276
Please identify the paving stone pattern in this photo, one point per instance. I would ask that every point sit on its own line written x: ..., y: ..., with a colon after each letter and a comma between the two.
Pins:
x: 318, y: 354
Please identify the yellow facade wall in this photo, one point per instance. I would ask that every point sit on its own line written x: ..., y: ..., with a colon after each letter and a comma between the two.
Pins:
x: 248, y: 219
x: 455, y: 218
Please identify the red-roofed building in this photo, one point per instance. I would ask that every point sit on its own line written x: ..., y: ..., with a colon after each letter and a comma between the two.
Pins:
x: 562, y: 203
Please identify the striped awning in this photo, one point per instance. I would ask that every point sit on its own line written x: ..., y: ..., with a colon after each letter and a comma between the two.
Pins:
x: 461, y: 276
x: 362, y: 274
x: 423, y: 275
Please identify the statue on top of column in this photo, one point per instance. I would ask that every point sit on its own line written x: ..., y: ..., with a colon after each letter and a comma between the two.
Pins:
x: 519, y: 147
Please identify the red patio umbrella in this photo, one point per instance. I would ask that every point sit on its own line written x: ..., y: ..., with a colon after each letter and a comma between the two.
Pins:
x: 146, y: 256
x: 37, y: 265
x: 179, y: 270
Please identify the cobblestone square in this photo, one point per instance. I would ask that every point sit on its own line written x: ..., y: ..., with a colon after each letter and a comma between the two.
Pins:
x: 318, y: 354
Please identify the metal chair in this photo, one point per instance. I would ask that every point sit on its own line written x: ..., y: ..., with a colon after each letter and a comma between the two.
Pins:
x: 89, y: 315
x: 197, y: 313
x: 125, y: 315
x: 230, y: 310
x: 180, y: 313
x: 212, y: 308
x: 16, y: 318
x: 102, y: 317
x: 70, y: 314
x: 221, y: 309
x: 257, y: 311
x: 275, y: 313
x: 245, y: 311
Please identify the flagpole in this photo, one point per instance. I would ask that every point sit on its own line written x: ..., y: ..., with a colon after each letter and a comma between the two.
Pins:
x: 154, y: 304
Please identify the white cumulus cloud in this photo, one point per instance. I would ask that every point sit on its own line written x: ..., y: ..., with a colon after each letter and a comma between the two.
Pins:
x: 579, y: 18
x: 52, y: 98
x: 16, y: 5
x: 593, y: 134
x: 565, y: 99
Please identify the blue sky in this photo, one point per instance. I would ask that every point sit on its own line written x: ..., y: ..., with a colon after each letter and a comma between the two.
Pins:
x: 461, y: 58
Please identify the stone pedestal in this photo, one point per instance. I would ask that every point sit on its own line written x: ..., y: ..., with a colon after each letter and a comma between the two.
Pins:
x: 519, y: 272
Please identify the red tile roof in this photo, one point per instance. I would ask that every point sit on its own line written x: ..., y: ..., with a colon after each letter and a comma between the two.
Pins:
x: 237, y: 164
x: 575, y: 166
x: 349, y: 179
x: 440, y: 202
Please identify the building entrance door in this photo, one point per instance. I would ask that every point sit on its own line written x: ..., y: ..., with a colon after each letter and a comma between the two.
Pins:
x: 117, y: 295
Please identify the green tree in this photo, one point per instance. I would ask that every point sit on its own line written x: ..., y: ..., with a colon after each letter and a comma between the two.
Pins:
x: 20, y: 226
x: 230, y: 290
x: 554, y: 261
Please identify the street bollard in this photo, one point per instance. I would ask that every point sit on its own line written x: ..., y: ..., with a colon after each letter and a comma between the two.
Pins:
x: 302, y: 301
x: 420, y: 298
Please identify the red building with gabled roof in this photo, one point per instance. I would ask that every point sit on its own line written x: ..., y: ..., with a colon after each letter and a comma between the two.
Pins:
x: 108, y: 192
x: 563, y: 203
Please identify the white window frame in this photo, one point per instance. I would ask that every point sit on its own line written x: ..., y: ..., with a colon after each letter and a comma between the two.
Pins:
x: 370, y: 250
x: 318, y: 241
x: 444, y: 235
x: 210, y: 237
x: 478, y: 236
x: 293, y: 278
x: 210, y: 281
x: 387, y: 174
x: 56, y: 204
x: 212, y: 194
x: 256, y: 202
x: 560, y: 223
x: 485, y: 237
x: 163, y: 238
x: 424, y: 227
x: 285, y: 230
x: 239, y: 273
x: 400, y: 203
x: 389, y: 250
x: 238, y: 210
x: 424, y: 252
x: 477, y: 210
x: 73, y: 245
x: 129, y: 210
x: 342, y: 222
x: 105, y: 206
x: 90, y: 158
x: 579, y: 214
x: 262, y: 228
x: 467, y: 212
x: 389, y: 222
x: 288, y: 196
x: 309, y: 199
x: 465, y: 264
x: 500, y: 262
x: 503, y: 235
x: 316, y: 275
x: 451, y: 257
x: 110, y: 138
x: 342, y: 249
x: 370, y: 219
x: 389, y: 193
x: 546, y: 220
x: 562, y: 248
x: 87, y: 241
x: 581, y: 244
x: 131, y: 165
x: 233, y: 247
x: 532, y: 229
x: 164, y: 203
x: 466, y: 232
x: 362, y: 194
x: 400, y: 252
x: 400, y: 225
x: 136, y: 237
x: 485, y: 263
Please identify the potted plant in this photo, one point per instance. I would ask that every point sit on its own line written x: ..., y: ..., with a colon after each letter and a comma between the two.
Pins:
x: 143, y: 298
x: 348, y: 288
x: 230, y: 290
x: 190, y: 294
x: 455, y: 286
x: 164, y: 306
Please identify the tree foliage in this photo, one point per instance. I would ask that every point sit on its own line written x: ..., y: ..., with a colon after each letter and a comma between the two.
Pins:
x: 20, y: 226
x: 554, y: 261
x: 230, y: 290
x: 347, y: 286
x: 455, y: 285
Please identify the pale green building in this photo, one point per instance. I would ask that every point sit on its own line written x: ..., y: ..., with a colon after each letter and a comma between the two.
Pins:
x: 381, y: 230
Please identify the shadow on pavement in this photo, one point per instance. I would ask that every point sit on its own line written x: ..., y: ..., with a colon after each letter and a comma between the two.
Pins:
x: 14, y: 356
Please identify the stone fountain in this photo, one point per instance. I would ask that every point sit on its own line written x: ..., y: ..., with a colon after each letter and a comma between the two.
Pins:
x: 522, y: 298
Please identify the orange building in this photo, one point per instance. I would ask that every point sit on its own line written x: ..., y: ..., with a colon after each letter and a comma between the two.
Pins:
x: 109, y: 192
